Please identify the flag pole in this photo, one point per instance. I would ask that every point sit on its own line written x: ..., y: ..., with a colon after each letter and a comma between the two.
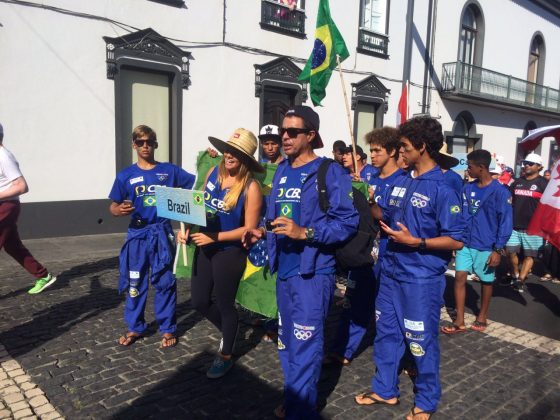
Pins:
x: 348, y: 114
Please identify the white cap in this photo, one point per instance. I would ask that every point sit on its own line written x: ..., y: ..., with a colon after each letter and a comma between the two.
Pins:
x: 269, y: 130
x: 1, y: 129
x: 533, y: 158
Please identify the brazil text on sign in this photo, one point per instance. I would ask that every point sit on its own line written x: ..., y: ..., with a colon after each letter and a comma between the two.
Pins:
x: 181, y: 205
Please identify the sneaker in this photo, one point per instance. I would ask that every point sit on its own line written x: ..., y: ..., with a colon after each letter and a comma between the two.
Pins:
x: 42, y: 284
x: 519, y: 286
x: 219, y: 368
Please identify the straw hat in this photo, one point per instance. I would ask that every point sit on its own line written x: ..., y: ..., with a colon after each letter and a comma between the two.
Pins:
x: 445, y: 160
x: 243, y: 145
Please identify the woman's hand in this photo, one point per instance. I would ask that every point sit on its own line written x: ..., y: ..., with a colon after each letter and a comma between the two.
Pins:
x: 201, y: 239
x: 251, y: 236
x: 182, y: 238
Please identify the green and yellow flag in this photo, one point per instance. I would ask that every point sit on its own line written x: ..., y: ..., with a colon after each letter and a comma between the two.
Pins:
x: 328, y: 44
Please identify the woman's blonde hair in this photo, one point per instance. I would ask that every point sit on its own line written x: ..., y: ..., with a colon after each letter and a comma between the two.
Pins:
x: 242, y: 180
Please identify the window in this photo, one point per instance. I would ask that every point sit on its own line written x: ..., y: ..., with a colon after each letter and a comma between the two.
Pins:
x: 471, y: 35
x: 374, y: 27
x: 145, y: 98
x: 374, y: 15
x: 284, y: 16
x: 149, y: 82
x: 535, y: 71
x: 369, y: 102
x: 463, y: 139
x: 278, y: 88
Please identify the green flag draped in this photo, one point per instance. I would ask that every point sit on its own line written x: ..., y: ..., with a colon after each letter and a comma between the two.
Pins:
x: 257, y: 289
x: 328, y: 44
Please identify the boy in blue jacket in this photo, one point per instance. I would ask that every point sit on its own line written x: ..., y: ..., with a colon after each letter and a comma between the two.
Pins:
x: 300, y: 239
x: 488, y: 213
x: 422, y: 218
x: 147, y: 255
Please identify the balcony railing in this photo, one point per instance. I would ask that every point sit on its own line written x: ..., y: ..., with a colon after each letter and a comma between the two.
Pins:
x: 465, y: 79
x: 279, y: 18
x: 373, y: 43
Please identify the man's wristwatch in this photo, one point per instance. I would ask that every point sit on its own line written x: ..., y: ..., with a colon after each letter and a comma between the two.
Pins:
x: 422, y: 244
x: 309, y: 234
x: 500, y: 251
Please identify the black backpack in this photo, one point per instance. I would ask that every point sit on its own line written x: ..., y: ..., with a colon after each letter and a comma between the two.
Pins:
x: 356, y: 251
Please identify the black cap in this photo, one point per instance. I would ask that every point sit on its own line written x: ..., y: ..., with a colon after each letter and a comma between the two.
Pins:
x: 359, y: 151
x: 339, y: 145
x: 311, y: 118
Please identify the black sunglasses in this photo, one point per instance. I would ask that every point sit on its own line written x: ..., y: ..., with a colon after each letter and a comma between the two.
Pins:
x: 140, y: 143
x: 293, y: 132
x: 527, y: 163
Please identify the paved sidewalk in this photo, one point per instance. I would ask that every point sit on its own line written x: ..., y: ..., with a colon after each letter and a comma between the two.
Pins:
x: 64, y: 342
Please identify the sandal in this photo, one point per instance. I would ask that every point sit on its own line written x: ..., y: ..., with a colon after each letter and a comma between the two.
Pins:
x: 546, y: 277
x: 453, y: 329
x: 412, y: 414
x: 479, y: 326
x: 373, y: 400
x: 129, y: 338
x: 165, y: 341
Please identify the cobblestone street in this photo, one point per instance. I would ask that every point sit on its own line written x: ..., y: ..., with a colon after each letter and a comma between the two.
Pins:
x: 59, y: 358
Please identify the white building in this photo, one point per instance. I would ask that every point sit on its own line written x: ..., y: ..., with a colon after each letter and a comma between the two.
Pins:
x: 77, y: 75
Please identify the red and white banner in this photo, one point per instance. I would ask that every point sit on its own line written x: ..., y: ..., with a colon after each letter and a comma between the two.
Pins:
x: 546, y: 220
x: 402, y: 109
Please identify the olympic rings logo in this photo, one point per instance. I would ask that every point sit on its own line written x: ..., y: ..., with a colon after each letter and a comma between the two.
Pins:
x: 417, y: 202
x: 302, y: 334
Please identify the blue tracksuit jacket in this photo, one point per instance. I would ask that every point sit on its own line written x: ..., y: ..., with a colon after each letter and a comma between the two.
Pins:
x: 492, y: 224
x: 429, y: 208
x: 337, y: 225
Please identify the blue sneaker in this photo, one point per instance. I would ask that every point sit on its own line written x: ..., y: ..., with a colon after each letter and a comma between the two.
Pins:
x: 219, y: 368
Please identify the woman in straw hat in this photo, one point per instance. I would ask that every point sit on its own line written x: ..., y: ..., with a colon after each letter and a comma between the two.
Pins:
x: 233, y: 204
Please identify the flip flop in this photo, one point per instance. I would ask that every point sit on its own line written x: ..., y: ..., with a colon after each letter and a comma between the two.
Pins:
x: 479, y: 326
x: 165, y: 342
x: 374, y: 400
x: 453, y: 329
x: 546, y: 277
x: 129, y: 339
x: 412, y: 414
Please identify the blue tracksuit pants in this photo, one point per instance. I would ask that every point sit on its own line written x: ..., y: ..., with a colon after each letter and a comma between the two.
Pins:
x: 358, y: 307
x: 303, y: 304
x: 140, y: 260
x: 407, y: 314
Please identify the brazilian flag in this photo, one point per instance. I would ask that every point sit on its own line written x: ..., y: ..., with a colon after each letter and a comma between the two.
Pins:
x: 328, y: 44
x: 257, y: 289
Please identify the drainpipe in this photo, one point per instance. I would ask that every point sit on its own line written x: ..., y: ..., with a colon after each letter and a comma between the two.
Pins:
x: 408, y: 43
x: 428, y: 58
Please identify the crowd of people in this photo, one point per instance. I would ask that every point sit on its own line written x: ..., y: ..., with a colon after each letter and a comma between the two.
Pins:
x: 424, y: 216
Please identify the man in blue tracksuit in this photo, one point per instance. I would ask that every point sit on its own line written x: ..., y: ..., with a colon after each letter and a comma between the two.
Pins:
x: 300, y: 238
x: 422, y: 217
x: 147, y: 254
x: 488, y: 213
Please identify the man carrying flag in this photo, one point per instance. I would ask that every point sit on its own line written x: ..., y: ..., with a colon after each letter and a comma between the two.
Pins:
x: 328, y: 44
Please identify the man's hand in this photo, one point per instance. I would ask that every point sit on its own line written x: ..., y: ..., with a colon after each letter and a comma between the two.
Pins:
x: 251, y: 236
x: 212, y: 152
x: 494, y: 259
x: 201, y: 239
x: 356, y: 177
x: 284, y: 226
x: 402, y: 236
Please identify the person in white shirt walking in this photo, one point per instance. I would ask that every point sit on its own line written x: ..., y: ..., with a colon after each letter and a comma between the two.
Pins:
x: 12, y: 185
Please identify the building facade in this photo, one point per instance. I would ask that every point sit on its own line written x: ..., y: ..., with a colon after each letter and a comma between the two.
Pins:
x: 76, y: 76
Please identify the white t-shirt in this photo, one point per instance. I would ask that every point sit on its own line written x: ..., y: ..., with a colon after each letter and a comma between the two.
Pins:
x: 9, y: 169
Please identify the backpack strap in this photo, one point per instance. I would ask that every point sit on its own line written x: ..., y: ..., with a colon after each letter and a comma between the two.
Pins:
x: 322, y: 184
